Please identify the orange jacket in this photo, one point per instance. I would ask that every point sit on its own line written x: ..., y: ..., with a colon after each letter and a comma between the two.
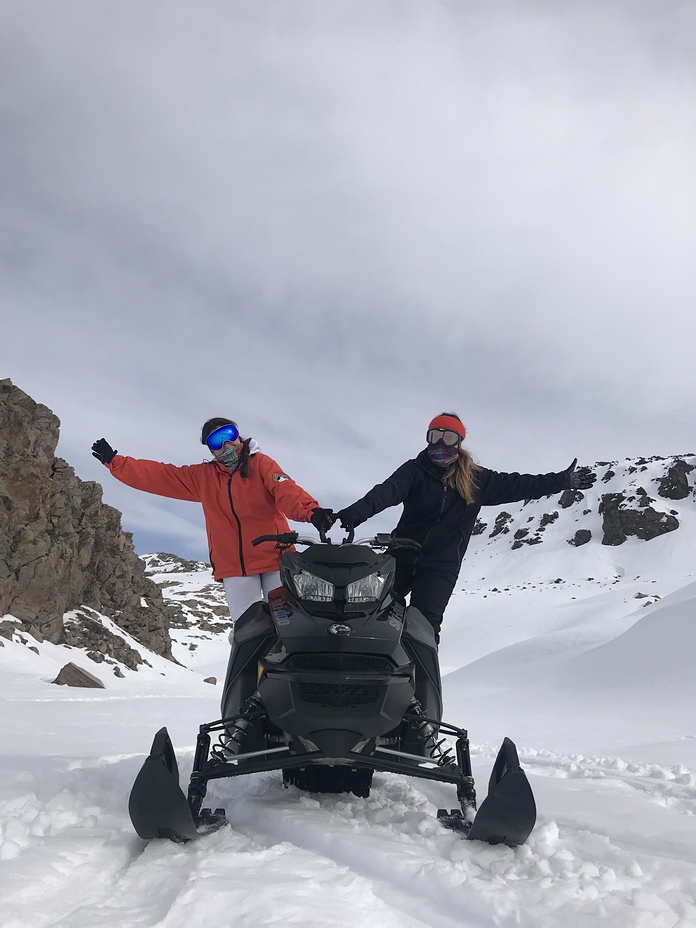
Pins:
x: 237, y: 509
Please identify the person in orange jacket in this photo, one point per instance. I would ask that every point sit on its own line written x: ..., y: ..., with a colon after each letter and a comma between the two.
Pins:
x: 244, y: 494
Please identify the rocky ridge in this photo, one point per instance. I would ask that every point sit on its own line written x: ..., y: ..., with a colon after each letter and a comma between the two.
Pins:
x: 639, y: 498
x: 198, y: 604
x: 65, y: 562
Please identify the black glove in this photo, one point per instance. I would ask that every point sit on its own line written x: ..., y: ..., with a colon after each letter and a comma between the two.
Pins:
x: 322, y: 519
x: 348, y: 518
x: 103, y: 451
x: 580, y: 479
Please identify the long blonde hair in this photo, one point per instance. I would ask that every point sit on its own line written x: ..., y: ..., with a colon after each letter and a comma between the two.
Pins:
x: 461, y: 475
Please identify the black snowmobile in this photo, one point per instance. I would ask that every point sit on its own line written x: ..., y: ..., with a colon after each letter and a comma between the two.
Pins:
x: 331, y: 679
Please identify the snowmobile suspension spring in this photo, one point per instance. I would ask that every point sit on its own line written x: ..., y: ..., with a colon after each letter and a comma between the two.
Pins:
x: 230, y: 740
x: 427, y: 732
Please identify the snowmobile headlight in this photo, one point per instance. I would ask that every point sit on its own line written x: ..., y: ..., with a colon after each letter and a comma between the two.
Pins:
x: 367, y: 589
x: 310, y: 587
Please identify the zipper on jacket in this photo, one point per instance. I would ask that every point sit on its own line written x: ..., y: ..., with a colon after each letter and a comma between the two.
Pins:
x: 239, y: 525
x: 430, y: 530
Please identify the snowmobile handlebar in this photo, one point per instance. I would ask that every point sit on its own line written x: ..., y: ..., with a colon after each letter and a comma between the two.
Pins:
x: 375, y: 541
x: 384, y: 540
x: 285, y: 538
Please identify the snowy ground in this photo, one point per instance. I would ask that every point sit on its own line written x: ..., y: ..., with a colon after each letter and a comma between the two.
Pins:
x: 592, y: 678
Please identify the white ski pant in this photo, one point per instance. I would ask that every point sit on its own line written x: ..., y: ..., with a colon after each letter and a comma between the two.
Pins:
x: 242, y: 592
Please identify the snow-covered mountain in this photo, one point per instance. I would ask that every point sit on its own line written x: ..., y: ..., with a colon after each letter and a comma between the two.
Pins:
x: 632, y: 501
x: 579, y: 648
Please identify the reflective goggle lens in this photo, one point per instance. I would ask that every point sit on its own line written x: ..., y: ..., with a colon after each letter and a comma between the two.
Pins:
x: 447, y: 435
x: 217, y: 439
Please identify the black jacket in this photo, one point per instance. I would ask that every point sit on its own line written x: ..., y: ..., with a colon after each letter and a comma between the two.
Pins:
x: 436, y: 516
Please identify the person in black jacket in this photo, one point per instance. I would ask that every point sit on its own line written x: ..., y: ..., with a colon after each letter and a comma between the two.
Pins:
x: 442, y: 490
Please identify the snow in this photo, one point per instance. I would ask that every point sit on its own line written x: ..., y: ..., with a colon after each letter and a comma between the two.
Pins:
x: 592, y: 678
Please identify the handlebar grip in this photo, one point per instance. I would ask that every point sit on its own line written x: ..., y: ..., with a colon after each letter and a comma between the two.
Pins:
x: 405, y: 543
x: 285, y: 538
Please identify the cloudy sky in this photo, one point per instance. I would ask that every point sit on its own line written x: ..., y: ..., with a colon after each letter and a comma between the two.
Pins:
x: 332, y: 220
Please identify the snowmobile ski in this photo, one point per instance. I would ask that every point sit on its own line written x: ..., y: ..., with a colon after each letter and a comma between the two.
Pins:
x: 157, y: 805
x: 508, y: 813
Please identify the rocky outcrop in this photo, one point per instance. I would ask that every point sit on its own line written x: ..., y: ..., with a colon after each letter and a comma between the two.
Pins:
x: 206, y: 610
x: 620, y: 521
x: 675, y: 483
x: 84, y: 628
x: 522, y: 536
x: 501, y: 524
x: 569, y: 498
x: 61, y: 547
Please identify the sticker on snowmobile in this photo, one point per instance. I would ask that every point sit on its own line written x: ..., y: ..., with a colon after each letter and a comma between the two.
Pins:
x: 339, y: 629
x: 278, y: 477
x: 396, y: 616
x: 281, y: 611
x: 277, y: 657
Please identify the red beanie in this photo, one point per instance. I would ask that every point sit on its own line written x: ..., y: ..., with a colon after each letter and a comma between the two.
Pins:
x: 444, y: 421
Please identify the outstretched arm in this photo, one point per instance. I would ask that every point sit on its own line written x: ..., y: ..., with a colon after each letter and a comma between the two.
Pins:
x: 499, y: 488
x: 151, y: 476
x: 394, y: 490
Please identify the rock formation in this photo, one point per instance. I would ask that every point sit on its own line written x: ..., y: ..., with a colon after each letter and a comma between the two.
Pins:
x: 619, y: 521
x: 61, y: 547
x: 675, y: 483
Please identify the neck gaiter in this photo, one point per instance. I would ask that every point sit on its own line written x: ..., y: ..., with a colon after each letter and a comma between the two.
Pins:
x: 230, y: 458
x: 442, y: 454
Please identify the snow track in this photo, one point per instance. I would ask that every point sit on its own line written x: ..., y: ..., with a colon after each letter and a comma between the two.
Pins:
x: 69, y: 857
x: 394, y: 840
x: 671, y: 786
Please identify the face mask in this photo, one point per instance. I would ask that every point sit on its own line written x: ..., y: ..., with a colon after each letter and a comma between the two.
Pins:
x: 230, y: 458
x: 441, y: 454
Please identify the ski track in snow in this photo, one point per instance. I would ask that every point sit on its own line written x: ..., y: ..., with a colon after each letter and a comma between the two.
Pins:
x: 670, y: 786
x: 381, y: 861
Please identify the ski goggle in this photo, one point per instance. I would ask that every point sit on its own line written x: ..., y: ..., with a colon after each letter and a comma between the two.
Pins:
x: 217, y: 439
x: 446, y: 435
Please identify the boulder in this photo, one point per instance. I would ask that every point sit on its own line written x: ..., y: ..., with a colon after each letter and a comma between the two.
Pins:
x: 72, y: 675
x: 568, y: 497
x: 581, y: 537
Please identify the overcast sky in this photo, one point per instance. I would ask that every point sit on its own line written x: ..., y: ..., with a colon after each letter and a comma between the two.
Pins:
x: 332, y: 220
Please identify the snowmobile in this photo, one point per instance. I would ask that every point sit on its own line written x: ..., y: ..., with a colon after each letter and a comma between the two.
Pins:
x: 332, y: 679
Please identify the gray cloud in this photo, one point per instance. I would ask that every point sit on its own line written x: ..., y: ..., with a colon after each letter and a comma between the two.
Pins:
x: 333, y: 220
